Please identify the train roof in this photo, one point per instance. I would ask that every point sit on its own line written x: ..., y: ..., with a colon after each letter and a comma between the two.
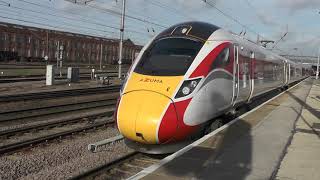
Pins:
x: 209, y: 32
x: 194, y: 29
x: 247, y: 46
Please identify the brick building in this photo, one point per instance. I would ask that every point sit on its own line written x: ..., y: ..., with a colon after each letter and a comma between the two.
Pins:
x: 32, y: 44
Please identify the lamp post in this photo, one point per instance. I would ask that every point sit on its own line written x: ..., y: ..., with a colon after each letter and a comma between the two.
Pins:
x: 318, y: 63
x: 121, y: 36
x: 317, y: 73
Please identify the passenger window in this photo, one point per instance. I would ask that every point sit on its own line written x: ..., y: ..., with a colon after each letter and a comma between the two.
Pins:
x: 222, y: 59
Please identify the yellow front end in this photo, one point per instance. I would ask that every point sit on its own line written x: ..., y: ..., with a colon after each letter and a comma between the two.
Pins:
x: 143, y: 103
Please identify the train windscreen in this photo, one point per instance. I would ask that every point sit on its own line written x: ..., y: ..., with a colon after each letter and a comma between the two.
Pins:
x: 169, y: 57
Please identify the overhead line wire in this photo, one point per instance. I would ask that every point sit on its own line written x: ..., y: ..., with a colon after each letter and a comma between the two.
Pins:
x: 89, y: 22
x: 110, y: 11
x: 56, y: 28
x: 173, y: 10
x: 62, y: 23
x: 232, y: 18
x: 82, y: 19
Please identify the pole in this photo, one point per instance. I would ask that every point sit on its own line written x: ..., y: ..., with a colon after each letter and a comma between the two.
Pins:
x: 60, y: 68
x: 57, y: 54
x: 121, y: 36
x: 60, y: 58
x: 47, y: 48
x: 317, y: 73
x: 100, y: 56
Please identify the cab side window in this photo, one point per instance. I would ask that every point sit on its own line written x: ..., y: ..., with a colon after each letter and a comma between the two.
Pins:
x: 222, y: 59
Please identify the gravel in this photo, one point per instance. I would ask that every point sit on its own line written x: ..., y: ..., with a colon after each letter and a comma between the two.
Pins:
x: 40, y: 86
x: 61, y: 160
x: 52, y: 118
x: 45, y: 132
x: 42, y: 103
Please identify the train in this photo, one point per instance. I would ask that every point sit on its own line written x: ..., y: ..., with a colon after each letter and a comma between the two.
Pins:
x: 186, y: 77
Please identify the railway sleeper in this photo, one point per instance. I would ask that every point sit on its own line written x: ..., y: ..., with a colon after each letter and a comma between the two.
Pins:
x: 149, y: 160
x: 130, y: 168
x: 133, y: 166
x: 118, y: 171
x: 144, y: 161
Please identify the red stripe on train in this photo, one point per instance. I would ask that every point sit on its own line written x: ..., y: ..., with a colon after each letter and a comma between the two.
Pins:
x: 205, y: 66
x: 172, y: 127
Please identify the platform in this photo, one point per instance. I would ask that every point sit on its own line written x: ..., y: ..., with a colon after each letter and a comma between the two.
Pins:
x: 279, y: 140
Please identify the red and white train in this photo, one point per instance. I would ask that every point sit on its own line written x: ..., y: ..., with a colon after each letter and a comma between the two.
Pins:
x: 190, y: 74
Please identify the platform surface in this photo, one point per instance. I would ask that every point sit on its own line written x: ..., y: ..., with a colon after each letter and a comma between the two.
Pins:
x: 273, y: 142
x: 302, y: 158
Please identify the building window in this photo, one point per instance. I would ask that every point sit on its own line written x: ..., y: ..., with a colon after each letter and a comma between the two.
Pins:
x: 3, y: 36
x: 14, y: 37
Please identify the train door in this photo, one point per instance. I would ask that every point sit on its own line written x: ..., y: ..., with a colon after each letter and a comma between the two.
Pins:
x: 285, y: 76
x: 236, y: 75
x: 251, y: 74
x: 289, y: 73
x: 244, y: 75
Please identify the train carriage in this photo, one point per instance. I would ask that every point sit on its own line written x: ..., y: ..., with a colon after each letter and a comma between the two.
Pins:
x: 188, y: 75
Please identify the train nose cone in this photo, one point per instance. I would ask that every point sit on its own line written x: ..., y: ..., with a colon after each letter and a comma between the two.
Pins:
x: 140, y: 114
x: 168, y: 126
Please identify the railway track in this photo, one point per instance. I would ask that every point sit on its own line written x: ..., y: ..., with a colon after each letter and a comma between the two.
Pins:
x: 26, y: 78
x: 42, y: 78
x: 121, y: 168
x: 33, y: 126
x: 62, y: 93
x: 21, y: 115
x: 22, y: 128
x: 12, y: 147
x: 46, y: 125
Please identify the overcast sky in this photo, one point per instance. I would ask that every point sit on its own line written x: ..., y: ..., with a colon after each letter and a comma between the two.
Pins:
x: 269, y: 18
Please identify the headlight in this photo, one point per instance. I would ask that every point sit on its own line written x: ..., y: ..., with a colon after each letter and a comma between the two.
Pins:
x: 186, y: 90
x: 194, y: 84
x: 187, y: 87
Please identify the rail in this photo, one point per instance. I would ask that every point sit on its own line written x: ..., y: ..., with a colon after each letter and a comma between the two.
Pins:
x: 18, y: 145
x: 12, y: 132
x: 121, y: 168
x: 62, y: 93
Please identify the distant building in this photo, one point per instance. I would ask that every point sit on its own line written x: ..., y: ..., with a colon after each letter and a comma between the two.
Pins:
x: 33, y: 44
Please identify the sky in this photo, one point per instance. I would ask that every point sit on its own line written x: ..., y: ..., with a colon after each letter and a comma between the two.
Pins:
x: 270, y: 19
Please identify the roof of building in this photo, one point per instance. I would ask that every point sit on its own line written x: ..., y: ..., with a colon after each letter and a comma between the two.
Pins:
x: 65, y: 33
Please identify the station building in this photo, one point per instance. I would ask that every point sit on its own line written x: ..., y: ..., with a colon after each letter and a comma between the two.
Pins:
x: 31, y: 44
